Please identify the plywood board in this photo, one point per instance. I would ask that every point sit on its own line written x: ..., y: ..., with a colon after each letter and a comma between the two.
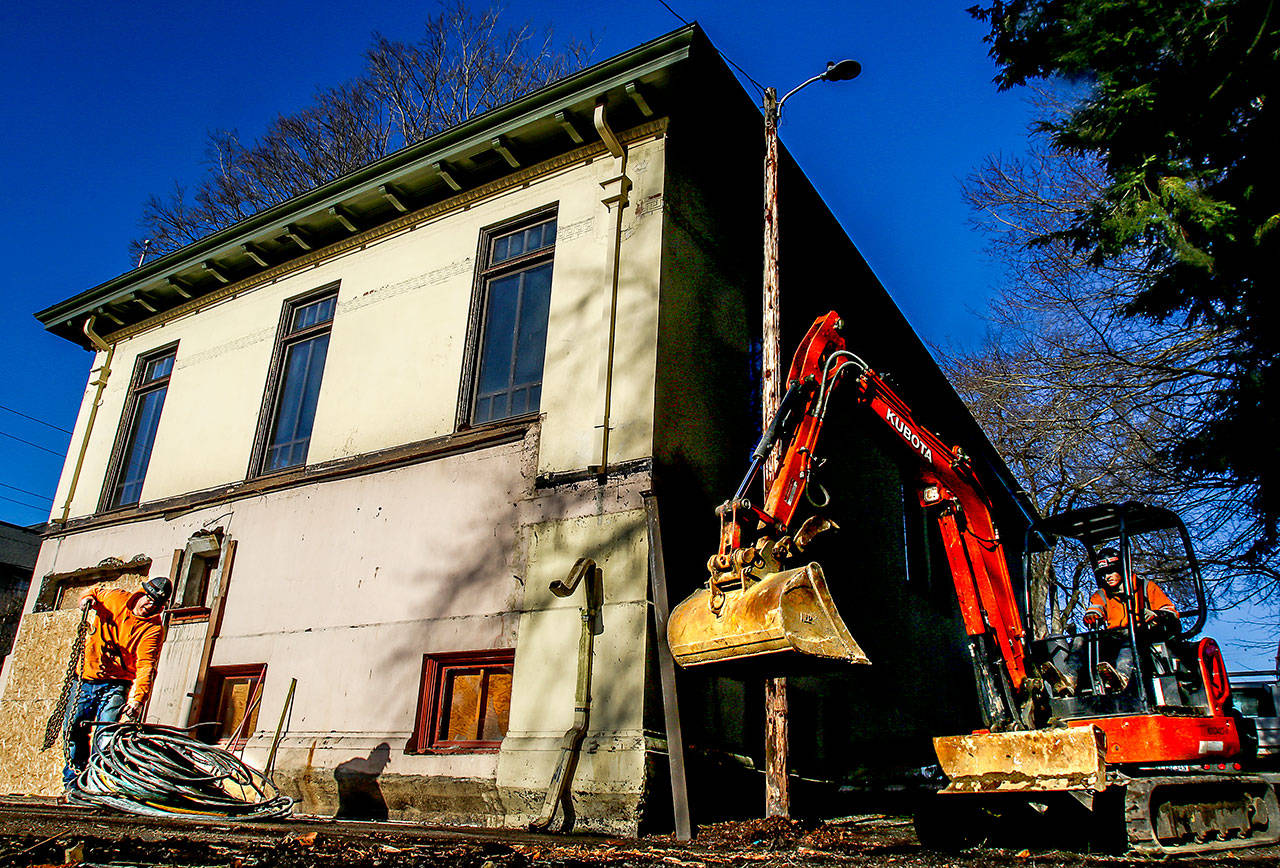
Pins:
x: 38, y: 667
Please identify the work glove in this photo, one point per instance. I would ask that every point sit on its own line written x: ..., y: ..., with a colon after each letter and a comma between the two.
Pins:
x: 1092, y: 620
x: 133, y: 711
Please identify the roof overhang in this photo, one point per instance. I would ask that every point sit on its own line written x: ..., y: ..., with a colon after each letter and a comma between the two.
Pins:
x: 635, y: 87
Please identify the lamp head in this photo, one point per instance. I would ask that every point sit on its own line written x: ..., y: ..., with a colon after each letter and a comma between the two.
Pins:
x: 842, y: 71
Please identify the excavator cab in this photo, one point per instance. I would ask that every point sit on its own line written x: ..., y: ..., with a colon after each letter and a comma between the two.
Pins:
x: 1132, y: 655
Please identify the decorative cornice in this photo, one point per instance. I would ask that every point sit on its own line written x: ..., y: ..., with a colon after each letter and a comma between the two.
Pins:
x: 586, y: 153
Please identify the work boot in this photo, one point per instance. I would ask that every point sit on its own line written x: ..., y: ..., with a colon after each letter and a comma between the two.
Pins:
x: 1112, y: 678
x: 1062, y: 684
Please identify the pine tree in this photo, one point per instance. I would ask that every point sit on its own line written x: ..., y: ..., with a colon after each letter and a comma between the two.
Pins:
x: 1178, y: 103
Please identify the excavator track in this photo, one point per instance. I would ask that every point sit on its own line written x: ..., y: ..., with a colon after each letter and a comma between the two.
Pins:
x: 1188, y: 814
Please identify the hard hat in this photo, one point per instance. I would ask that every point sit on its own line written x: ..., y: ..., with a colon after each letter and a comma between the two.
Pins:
x: 158, y: 589
x: 1107, y: 562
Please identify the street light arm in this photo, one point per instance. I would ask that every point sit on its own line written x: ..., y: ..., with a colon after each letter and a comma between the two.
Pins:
x: 799, y: 87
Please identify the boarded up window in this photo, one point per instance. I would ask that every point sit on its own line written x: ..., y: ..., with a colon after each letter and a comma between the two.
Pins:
x: 231, y: 703
x: 465, y: 701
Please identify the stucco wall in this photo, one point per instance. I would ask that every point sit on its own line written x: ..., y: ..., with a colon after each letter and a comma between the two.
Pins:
x: 345, y: 585
x: 396, y: 350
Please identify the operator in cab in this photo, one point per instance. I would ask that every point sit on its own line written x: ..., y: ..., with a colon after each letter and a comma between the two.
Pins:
x: 1108, y: 609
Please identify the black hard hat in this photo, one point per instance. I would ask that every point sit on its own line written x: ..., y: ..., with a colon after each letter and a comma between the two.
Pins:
x: 158, y: 589
x: 1107, y: 561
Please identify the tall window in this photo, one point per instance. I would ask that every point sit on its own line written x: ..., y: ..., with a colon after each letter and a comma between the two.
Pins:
x: 297, y: 367
x: 515, y: 282
x: 138, y: 427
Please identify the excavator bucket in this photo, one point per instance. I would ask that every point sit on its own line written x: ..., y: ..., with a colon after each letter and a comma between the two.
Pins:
x: 785, y: 611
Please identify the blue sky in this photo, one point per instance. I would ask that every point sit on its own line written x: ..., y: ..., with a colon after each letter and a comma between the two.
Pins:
x: 108, y: 103
x: 105, y: 104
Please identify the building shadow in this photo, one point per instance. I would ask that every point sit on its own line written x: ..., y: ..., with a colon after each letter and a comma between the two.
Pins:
x: 359, y: 794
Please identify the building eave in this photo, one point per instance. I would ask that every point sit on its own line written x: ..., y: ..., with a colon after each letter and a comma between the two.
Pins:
x: 410, y: 178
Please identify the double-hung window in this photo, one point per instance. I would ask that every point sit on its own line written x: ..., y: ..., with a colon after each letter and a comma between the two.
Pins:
x: 138, y: 426
x: 515, y: 295
x: 293, y: 388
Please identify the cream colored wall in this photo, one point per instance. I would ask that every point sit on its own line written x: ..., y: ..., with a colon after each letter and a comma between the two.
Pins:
x: 396, y: 351
x: 345, y: 585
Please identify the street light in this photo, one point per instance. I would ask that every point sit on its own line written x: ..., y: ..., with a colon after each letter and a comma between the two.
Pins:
x: 777, y: 799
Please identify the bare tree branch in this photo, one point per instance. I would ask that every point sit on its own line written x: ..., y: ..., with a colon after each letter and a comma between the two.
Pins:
x: 464, y: 63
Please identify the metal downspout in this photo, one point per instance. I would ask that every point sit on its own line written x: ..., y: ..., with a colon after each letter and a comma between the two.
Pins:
x: 616, y: 190
x: 103, y: 373
x: 558, y: 789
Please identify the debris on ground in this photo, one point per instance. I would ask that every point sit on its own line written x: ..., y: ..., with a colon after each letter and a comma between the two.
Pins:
x: 94, y: 840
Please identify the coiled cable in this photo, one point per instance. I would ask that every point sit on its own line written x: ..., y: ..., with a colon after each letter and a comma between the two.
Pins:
x: 161, y: 771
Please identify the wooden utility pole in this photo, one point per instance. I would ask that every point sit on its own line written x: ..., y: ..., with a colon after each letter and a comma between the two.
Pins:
x: 777, y: 796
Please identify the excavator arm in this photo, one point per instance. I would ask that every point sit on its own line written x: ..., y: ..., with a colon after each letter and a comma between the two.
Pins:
x: 752, y: 590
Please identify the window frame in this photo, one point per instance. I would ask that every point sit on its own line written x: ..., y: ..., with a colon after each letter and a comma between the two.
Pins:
x: 271, y: 394
x: 189, y: 563
x: 124, y: 440
x: 484, y: 273
x: 211, y: 702
x: 431, y: 689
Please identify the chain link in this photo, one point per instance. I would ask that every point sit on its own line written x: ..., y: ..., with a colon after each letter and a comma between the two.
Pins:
x: 58, y: 722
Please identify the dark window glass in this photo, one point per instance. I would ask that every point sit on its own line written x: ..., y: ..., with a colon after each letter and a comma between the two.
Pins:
x: 513, y: 339
x: 301, y: 354
x: 142, y: 420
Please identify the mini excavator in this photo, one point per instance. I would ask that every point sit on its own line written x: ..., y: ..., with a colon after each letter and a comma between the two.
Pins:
x: 1161, y: 763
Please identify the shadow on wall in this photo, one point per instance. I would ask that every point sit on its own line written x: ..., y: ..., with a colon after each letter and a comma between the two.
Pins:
x: 359, y: 794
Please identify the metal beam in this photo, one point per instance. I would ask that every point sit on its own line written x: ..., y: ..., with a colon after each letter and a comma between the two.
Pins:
x: 503, y: 147
x: 345, y: 217
x: 394, y: 196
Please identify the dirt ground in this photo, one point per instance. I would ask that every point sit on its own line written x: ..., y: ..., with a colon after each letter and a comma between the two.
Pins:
x: 46, y: 836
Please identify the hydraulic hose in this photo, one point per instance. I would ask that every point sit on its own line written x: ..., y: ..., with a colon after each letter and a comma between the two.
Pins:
x: 160, y: 771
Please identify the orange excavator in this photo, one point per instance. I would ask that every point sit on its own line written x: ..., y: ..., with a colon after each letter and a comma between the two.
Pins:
x: 1158, y: 759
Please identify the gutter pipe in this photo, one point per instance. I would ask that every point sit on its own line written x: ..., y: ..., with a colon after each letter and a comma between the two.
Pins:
x: 104, y: 371
x: 558, y: 790
x: 615, y: 198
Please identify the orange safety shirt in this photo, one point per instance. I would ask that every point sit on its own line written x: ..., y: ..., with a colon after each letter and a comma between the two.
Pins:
x: 1113, y: 608
x: 122, y: 646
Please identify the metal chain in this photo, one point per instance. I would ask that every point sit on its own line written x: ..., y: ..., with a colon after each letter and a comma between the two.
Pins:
x: 70, y: 694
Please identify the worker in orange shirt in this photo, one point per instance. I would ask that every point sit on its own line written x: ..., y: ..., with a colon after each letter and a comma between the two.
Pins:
x: 119, y: 663
x: 1108, y: 609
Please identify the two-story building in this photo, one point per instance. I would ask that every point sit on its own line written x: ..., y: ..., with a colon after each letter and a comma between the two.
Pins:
x: 366, y: 429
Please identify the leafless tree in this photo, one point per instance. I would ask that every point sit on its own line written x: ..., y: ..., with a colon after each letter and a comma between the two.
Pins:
x: 1084, y: 402
x: 465, y: 62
